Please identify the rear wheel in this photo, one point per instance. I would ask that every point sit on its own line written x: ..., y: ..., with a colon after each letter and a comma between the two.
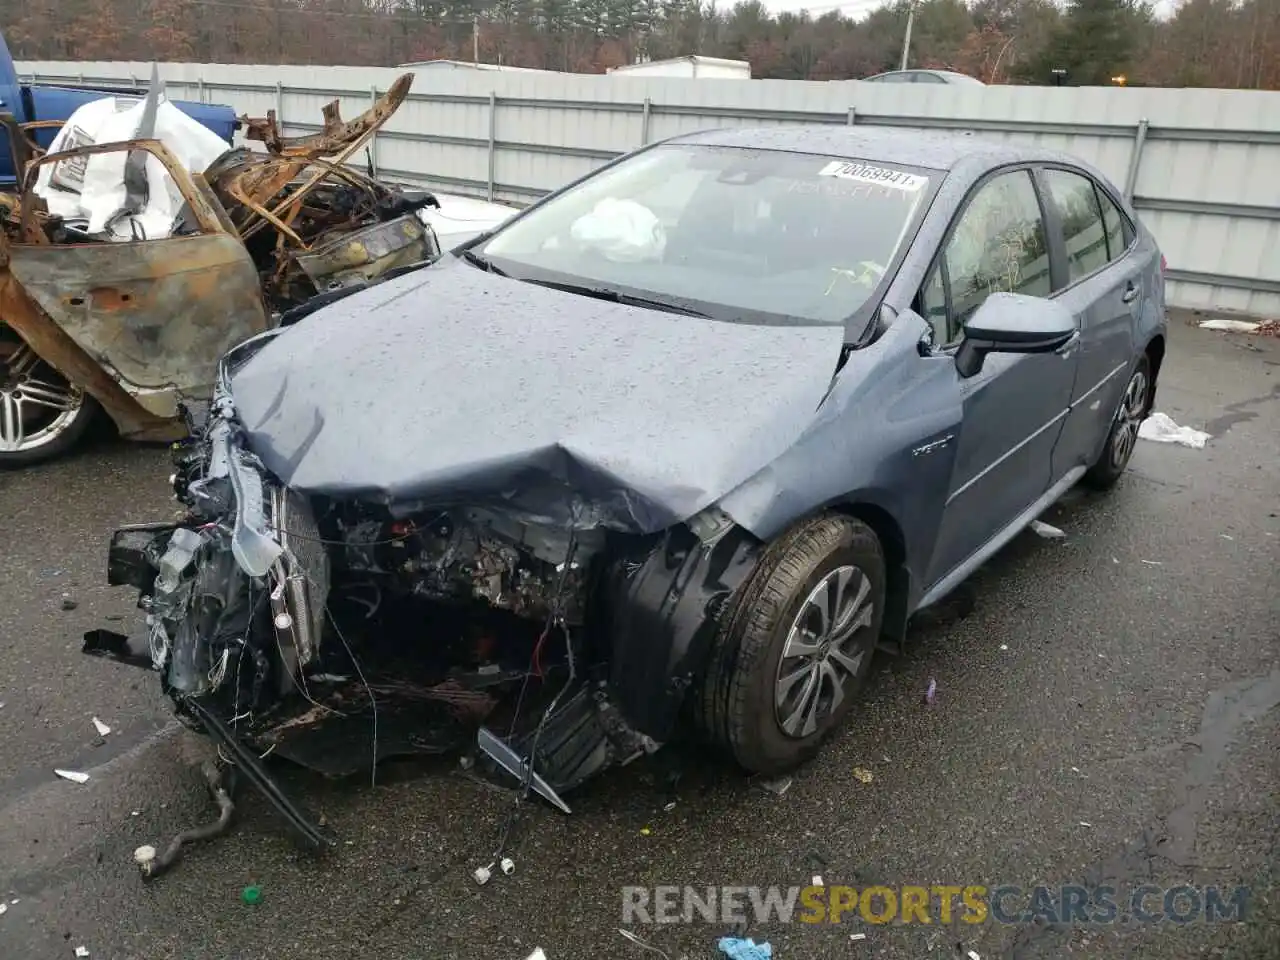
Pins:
x: 1123, y: 437
x: 794, y: 651
x: 42, y: 415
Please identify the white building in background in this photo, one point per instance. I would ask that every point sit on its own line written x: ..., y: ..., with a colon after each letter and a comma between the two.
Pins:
x: 689, y: 67
x: 468, y: 65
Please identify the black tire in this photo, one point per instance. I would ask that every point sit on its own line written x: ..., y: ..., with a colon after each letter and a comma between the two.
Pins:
x: 737, y: 706
x: 1122, y: 438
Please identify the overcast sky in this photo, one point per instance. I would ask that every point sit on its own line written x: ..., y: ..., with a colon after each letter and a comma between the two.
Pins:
x: 859, y: 8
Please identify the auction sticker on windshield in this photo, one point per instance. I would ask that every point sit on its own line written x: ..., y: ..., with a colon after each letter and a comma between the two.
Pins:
x: 880, y: 176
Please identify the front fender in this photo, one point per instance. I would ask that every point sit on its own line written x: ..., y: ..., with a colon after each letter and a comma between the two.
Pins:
x: 663, y: 610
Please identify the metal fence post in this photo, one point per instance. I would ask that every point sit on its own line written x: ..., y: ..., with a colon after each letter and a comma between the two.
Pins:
x: 280, y: 107
x: 1135, y: 160
x: 200, y: 88
x: 373, y: 141
x: 852, y: 117
x: 645, y: 110
x: 82, y: 79
x: 493, y: 138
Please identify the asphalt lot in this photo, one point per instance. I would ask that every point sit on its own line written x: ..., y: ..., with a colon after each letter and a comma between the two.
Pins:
x: 1109, y: 711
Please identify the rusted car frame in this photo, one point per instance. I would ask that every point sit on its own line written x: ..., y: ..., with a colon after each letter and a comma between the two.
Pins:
x: 134, y: 324
x: 138, y: 324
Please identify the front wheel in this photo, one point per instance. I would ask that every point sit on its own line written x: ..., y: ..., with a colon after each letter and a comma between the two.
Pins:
x: 1123, y: 436
x: 794, y: 651
x: 42, y: 415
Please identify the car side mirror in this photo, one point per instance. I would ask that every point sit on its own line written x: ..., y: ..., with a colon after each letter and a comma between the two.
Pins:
x: 1013, y: 323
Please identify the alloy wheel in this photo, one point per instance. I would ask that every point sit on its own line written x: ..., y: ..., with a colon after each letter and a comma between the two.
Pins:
x: 1133, y: 406
x: 826, y: 645
x: 36, y: 403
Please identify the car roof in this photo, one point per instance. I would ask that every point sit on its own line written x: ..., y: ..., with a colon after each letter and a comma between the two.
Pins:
x: 934, y: 150
x: 948, y: 76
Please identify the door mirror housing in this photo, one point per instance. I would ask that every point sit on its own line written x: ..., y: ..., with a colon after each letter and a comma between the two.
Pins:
x: 1013, y: 323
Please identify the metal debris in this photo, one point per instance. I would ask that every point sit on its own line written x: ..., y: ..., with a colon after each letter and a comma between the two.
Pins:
x: 777, y: 787
x: 643, y: 944
x: 1047, y: 530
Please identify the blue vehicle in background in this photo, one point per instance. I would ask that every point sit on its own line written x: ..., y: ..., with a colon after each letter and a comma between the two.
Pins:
x: 52, y: 106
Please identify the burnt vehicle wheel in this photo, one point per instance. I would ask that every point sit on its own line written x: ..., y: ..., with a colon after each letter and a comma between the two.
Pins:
x: 1123, y: 437
x: 796, y: 648
x: 41, y: 415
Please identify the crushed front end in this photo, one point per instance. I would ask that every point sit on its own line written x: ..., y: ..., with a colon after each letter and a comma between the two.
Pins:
x: 338, y: 633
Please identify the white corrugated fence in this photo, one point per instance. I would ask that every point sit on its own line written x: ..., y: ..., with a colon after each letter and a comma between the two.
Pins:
x: 1201, y: 166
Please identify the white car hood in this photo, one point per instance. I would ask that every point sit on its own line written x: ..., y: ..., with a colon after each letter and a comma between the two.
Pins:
x: 459, y: 219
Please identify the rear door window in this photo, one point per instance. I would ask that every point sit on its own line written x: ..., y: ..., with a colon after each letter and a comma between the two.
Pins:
x: 1082, y: 225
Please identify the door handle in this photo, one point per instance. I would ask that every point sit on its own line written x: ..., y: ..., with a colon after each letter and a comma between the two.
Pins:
x: 1131, y: 292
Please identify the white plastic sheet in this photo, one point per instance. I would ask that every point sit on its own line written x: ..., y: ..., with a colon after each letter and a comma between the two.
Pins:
x: 1160, y: 428
x: 1230, y: 326
x: 92, y: 189
x: 623, y: 230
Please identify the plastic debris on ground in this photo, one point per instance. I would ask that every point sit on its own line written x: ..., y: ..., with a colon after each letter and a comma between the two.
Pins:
x: 857, y: 936
x: 817, y: 881
x: 4, y: 908
x: 777, y: 787
x: 101, y: 727
x: 736, y: 948
x: 643, y: 944
x: 538, y: 954
x: 1047, y: 530
x: 973, y: 955
x: 863, y: 774
x: 251, y: 895
x: 1160, y: 428
x: 73, y: 775
x: 1230, y: 326
x: 82, y: 951
x: 931, y: 691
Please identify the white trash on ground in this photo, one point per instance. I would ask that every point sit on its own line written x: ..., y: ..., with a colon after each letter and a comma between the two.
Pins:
x: 1047, y: 530
x: 1230, y: 326
x: 74, y: 776
x: 1160, y: 428
x: 93, y: 192
x: 101, y: 727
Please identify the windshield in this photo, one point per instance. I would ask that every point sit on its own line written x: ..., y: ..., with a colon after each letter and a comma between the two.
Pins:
x: 736, y: 234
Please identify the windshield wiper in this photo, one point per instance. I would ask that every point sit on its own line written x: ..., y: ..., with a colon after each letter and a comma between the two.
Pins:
x: 617, y: 296
x: 476, y: 260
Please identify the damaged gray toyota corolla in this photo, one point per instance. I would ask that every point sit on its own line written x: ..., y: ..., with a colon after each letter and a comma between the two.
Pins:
x: 684, y: 443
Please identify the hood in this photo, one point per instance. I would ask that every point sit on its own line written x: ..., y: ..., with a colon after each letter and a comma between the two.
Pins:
x: 453, y: 386
x: 459, y: 219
